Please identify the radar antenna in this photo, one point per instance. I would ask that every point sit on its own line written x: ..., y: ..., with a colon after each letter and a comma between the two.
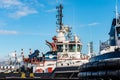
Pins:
x: 59, y: 16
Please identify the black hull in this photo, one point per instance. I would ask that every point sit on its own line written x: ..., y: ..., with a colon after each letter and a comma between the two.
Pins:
x: 106, y: 69
x: 106, y: 74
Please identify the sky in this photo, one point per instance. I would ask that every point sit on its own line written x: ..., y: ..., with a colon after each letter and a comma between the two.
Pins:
x: 26, y: 24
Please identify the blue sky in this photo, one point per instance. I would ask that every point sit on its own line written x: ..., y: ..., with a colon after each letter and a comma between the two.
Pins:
x: 28, y: 23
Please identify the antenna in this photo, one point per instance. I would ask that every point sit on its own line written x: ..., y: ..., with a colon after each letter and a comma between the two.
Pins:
x: 59, y: 16
x: 116, y: 7
x: 116, y: 11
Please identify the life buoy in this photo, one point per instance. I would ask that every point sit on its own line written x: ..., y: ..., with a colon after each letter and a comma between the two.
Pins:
x: 39, y: 70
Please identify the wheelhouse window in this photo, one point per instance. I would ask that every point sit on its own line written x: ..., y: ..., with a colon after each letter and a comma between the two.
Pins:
x: 60, y: 48
x: 66, y: 47
x: 118, y: 32
x: 79, y: 47
x: 72, y: 47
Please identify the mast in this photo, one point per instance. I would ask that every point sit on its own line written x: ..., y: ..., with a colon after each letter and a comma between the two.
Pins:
x: 90, y: 48
x: 59, y: 16
x: 116, y: 12
x: 116, y: 7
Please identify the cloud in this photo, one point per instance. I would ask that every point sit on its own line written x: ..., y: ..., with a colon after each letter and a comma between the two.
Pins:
x: 91, y: 24
x: 35, y: 3
x: 17, y: 8
x: 8, y: 32
x: 22, y: 12
x: 51, y: 10
x: 9, y: 3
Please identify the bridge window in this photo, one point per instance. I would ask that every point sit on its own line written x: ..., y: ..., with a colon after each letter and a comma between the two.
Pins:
x: 72, y: 47
x: 79, y: 48
x: 118, y: 32
x: 60, y: 48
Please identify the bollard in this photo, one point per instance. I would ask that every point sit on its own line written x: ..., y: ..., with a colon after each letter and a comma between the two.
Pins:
x: 23, y: 75
x: 31, y: 75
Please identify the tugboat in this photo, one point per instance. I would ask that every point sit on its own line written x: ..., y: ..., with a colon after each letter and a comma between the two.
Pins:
x: 106, y: 65
x: 65, y: 56
x: 68, y: 47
